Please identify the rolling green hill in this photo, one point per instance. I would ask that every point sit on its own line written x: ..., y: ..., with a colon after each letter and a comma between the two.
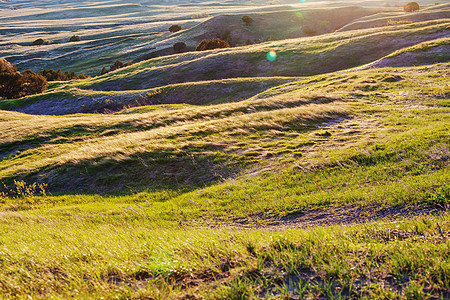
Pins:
x: 434, y: 12
x: 186, y: 78
x: 356, y: 146
x: 296, y: 57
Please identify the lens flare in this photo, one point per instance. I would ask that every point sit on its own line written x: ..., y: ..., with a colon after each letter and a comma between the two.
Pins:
x: 271, y: 55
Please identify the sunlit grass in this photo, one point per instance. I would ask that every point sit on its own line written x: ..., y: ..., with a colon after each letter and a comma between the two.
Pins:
x: 163, y: 201
x: 127, y: 258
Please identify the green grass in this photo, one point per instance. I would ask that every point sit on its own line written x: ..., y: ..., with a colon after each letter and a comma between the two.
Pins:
x: 62, y: 99
x: 425, y: 53
x: 423, y: 46
x: 278, y: 126
x: 108, y: 34
x: 129, y: 258
x: 333, y: 186
x: 296, y: 57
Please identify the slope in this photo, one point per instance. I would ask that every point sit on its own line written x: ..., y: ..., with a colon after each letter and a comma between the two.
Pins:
x: 296, y: 57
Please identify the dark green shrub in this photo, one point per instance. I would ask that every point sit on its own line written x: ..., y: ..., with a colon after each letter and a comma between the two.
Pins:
x: 15, y: 85
x: 212, y: 44
x: 175, y: 28
x: 117, y: 65
x: 38, y: 42
x: 52, y: 75
x: 179, y: 47
x: 75, y: 38
x: 247, y: 20
x: 411, y: 6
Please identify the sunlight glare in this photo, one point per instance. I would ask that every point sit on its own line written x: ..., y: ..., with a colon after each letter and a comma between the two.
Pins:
x: 271, y: 55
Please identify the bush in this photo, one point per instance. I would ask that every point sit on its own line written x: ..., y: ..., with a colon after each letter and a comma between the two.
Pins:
x: 38, y: 42
x: 212, y: 44
x: 6, y: 67
x: 52, y: 75
x: 175, y: 28
x: 10, y: 85
x: 75, y: 38
x: 119, y: 64
x: 247, y: 20
x: 15, y: 85
x: 411, y: 6
x: 179, y: 47
x: 33, y: 83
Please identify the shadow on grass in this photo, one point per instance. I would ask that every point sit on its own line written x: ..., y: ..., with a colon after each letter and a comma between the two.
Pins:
x: 163, y: 169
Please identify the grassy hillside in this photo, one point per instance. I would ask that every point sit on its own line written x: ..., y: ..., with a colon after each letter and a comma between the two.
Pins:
x: 151, y: 82
x: 131, y: 259
x: 340, y: 148
x: 440, y: 11
x: 421, y: 54
x: 62, y: 98
x: 296, y: 57
x: 138, y: 31
x: 269, y: 25
x: 237, y: 133
x: 109, y: 30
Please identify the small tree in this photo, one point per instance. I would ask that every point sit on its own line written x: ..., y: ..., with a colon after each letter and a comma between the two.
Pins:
x: 247, y: 20
x: 118, y: 64
x: 211, y: 44
x: 60, y: 75
x: 175, y: 28
x: 104, y: 70
x: 33, y: 83
x: 75, y: 38
x: 11, y: 85
x: 411, y: 6
x: 16, y: 85
x: 38, y: 42
x: 6, y: 67
x: 179, y: 47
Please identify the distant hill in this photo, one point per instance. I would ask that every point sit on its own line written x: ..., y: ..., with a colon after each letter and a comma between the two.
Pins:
x: 421, y: 54
x: 296, y: 57
x: 434, y: 12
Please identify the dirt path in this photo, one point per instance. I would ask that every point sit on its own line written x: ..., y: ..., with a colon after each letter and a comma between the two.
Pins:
x: 345, y: 215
